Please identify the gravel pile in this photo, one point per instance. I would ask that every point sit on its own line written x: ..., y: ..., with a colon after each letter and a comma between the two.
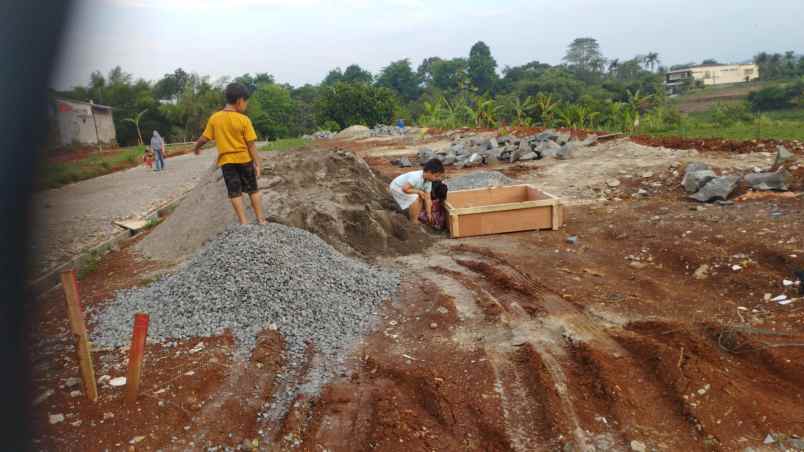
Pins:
x: 479, y: 179
x: 251, y: 278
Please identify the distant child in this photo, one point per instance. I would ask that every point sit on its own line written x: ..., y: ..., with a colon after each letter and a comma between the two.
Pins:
x: 148, y: 157
x: 412, y: 190
x: 437, y: 218
x: 235, y: 138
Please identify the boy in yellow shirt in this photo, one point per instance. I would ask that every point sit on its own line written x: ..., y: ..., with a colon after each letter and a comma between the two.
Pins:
x: 235, y: 138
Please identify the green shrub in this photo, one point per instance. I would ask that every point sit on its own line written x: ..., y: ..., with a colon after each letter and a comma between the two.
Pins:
x: 330, y: 126
x: 725, y: 115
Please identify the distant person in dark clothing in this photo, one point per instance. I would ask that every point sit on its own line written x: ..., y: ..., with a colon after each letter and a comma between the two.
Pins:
x: 158, y: 148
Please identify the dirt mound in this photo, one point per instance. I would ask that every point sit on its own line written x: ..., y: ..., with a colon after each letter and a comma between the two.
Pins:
x: 354, y: 132
x: 718, y: 144
x: 332, y: 194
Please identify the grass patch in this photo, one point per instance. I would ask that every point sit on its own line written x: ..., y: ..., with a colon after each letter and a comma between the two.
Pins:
x: 285, y: 144
x: 89, y: 265
x: 57, y: 174
x: 772, y: 129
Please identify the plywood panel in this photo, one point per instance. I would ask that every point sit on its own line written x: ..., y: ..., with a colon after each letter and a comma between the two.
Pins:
x: 488, y: 196
x: 507, y: 221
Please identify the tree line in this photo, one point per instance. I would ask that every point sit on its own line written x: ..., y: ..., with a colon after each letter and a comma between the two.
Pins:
x: 585, y: 90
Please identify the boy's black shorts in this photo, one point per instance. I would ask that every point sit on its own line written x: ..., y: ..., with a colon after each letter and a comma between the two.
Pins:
x: 240, y: 178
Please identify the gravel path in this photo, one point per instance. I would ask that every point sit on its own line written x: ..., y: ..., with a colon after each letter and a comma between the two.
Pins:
x: 78, y: 216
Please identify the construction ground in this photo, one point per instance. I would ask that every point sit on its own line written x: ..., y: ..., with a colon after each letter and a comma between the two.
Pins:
x: 649, y: 322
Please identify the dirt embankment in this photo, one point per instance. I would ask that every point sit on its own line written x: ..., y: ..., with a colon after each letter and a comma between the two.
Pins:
x: 332, y: 194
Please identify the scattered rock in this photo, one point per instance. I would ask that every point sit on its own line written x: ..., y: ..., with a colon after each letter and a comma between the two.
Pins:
x: 613, y: 183
x: 638, y: 446
x: 72, y: 381
x: 782, y: 156
x: 779, y: 180
x: 424, y: 154
x: 75, y: 394
x: 404, y: 162
x: 119, y: 381
x: 638, y: 265
x: 42, y: 397
x: 695, y: 180
x: 647, y: 174
x: 433, y: 325
x: 136, y: 439
x: 718, y: 188
x: 769, y: 439
x: 528, y: 156
x: 566, y: 151
x: 702, y: 272
x: 104, y: 379
x: 56, y: 418
x: 572, y: 240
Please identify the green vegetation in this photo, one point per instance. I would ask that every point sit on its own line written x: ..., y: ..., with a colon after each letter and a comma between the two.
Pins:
x: 587, y: 90
x: 54, y: 174
x: 285, y: 144
x: 89, y: 265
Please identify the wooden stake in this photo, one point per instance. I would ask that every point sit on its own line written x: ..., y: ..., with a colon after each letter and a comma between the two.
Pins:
x: 135, y: 356
x: 79, y: 329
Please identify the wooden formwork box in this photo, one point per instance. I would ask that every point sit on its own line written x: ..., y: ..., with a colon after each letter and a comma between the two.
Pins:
x: 497, y: 210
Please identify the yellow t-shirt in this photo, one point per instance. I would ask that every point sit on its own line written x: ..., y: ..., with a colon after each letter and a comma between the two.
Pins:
x: 231, y: 131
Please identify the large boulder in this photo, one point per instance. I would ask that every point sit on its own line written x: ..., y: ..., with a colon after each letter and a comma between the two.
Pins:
x: 355, y: 132
x: 779, y: 180
x: 782, y: 156
x: 565, y: 152
x: 719, y: 188
x: 695, y: 180
x: 424, y: 154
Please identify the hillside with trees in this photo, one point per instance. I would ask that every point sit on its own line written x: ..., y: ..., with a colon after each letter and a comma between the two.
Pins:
x: 587, y: 90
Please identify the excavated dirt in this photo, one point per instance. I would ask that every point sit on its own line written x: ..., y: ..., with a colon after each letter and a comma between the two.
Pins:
x: 332, y: 194
x: 515, y: 342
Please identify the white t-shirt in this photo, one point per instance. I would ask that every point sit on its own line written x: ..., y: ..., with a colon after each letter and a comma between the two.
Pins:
x: 415, y: 179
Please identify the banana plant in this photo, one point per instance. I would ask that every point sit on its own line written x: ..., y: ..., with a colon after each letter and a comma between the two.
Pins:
x: 136, y: 121
x: 547, y: 108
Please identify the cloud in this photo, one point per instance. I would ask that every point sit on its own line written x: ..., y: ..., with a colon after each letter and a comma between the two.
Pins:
x: 195, y: 5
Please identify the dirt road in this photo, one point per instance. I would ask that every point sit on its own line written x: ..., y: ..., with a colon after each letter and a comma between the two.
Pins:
x: 78, y: 216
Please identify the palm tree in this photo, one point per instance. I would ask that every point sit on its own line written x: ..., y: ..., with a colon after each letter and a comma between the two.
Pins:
x: 136, y: 121
x: 651, y: 60
x: 613, y: 65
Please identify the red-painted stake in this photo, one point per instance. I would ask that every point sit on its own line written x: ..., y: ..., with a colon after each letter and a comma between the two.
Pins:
x: 135, y: 356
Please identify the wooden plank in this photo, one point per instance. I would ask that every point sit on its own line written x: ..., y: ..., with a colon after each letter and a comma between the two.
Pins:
x: 132, y: 225
x: 505, y: 221
x: 508, y: 206
x: 79, y: 329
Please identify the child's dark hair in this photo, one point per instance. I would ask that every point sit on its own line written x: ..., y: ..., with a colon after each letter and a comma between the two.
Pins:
x: 235, y: 91
x: 434, y: 166
x: 439, y: 191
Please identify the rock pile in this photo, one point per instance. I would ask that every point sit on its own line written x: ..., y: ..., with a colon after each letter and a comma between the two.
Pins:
x: 320, y: 135
x: 251, y: 278
x: 381, y: 130
x: 474, y: 150
x: 702, y: 184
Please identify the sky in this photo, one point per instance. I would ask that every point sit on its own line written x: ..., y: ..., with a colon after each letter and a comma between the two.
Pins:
x: 300, y: 41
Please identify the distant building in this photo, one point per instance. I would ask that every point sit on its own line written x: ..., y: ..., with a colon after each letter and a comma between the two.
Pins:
x: 81, y: 123
x: 715, y: 74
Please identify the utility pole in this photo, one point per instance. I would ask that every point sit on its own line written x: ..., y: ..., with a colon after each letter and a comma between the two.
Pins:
x: 97, y: 135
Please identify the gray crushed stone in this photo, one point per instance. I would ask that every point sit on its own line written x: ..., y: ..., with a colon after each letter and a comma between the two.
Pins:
x: 479, y: 179
x: 251, y: 278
